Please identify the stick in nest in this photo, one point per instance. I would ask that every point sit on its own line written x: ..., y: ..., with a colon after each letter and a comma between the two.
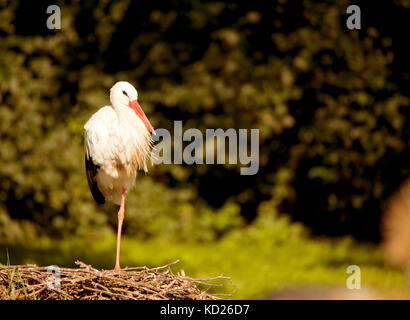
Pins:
x: 87, y: 283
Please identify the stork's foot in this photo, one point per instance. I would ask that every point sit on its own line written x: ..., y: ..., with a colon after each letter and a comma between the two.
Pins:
x: 117, y: 268
x: 118, y: 271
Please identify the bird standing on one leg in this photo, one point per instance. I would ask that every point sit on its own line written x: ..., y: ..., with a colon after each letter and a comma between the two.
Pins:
x: 117, y: 143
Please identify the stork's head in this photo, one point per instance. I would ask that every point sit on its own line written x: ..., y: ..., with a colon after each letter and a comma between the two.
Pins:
x: 123, y: 93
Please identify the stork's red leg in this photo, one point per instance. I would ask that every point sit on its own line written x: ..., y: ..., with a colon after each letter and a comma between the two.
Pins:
x: 121, y: 214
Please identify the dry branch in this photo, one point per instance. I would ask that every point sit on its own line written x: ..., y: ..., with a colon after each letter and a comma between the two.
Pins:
x: 30, y: 282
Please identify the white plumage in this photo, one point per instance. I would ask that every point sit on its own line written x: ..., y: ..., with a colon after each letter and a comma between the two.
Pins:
x: 117, y: 142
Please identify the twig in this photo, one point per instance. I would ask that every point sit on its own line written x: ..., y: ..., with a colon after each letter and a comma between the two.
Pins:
x: 88, y: 283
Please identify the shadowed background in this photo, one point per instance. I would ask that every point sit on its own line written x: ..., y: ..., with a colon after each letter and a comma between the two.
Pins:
x: 331, y: 104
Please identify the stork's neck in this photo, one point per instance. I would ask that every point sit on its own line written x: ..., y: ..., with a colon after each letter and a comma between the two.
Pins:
x: 122, y: 111
x: 119, y: 106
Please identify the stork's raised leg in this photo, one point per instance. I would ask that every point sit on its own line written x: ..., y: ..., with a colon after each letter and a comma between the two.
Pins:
x: 121, y: 214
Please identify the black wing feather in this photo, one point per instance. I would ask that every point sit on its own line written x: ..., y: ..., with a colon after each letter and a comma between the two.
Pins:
x: 91, y: 171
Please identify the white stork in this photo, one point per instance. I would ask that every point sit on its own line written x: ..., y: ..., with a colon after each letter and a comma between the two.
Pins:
x: 117, y: 142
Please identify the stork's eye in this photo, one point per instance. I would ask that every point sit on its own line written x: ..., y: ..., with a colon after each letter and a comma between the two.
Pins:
x: 125, y: 93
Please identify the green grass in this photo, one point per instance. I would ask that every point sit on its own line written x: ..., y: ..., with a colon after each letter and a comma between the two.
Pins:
x: 14, y: 281
x: 268, y: 256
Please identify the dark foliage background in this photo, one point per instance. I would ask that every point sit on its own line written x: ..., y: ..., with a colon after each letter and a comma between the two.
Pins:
x: 331, y: 105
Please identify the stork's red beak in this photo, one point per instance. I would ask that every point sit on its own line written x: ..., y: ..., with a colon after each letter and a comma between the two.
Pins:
x: 138, y: 110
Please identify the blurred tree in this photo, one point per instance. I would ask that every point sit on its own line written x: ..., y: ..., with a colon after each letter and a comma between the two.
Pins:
x: 330, y: 104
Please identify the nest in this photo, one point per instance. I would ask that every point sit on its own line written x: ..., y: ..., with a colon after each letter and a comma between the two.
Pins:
x: 30, y: 282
